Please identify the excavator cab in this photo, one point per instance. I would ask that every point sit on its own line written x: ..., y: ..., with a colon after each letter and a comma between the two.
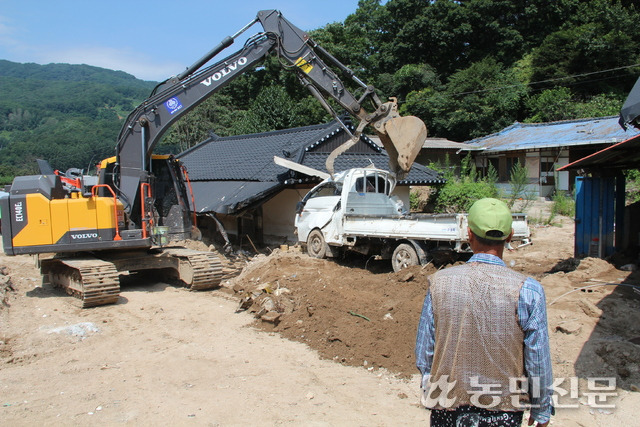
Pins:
x: 166, y: 197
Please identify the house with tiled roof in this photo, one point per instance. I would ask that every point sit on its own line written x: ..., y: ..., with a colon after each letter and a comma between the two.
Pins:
x: 237, y: 184
x: 543, y: 148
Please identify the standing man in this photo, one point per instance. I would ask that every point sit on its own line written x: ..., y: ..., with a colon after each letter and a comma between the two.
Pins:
x: 483, y: 344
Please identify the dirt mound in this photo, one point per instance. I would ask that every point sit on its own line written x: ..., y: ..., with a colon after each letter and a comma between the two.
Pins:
x: 362, y: 318
x: 590, y: 268
x: 350, y: 315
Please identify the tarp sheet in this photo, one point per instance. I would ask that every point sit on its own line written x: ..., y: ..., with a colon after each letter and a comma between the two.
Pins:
x: 229, y: 197
x: 631, y: 107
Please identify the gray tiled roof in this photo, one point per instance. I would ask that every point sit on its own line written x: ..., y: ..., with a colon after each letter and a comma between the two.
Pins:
x: 230, y: 173
x: 418, y: 174
x: 249, y: 157
x: 229, y: 196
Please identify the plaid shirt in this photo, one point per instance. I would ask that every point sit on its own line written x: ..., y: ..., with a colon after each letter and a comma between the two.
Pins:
x: 532, y: 317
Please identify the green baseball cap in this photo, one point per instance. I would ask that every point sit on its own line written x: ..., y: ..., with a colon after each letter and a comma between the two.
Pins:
x: 490, y: 216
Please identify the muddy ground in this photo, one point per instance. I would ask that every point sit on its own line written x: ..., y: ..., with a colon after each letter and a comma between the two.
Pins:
x: 334, y: 345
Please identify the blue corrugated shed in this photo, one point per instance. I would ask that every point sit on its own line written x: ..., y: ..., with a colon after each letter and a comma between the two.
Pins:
x: 527, y: 136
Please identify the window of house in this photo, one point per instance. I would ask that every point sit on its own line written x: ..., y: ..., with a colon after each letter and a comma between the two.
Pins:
x: 506, y: 165
x: 547, y: 171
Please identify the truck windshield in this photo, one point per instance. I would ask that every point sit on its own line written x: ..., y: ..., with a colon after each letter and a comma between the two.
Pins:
x: 327, y: 189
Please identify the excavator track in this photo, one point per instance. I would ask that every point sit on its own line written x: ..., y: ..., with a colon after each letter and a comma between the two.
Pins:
x: 93, y: 281
x: 198, y: 270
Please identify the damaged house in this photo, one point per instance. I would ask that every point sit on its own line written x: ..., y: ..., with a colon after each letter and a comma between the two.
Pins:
x: 543, y: 148
x: 239, y: 189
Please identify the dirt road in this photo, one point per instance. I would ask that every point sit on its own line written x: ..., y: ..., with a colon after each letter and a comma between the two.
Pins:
x: 341, y: 354
x: 164, y: 355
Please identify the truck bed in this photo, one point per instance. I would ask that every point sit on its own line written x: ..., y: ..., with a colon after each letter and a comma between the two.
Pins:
x: 443, y: 227
x: 374, y: 215
x: 440, y: 227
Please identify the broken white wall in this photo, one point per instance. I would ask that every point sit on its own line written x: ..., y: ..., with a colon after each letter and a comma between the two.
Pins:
x: 278, y: 217
x: 403, y: 194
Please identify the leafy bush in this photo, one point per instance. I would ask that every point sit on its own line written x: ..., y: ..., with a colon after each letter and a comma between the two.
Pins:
x: 563, y: 204
x: 414, y: 201
x: 632, y: 178
x: 458, y: 195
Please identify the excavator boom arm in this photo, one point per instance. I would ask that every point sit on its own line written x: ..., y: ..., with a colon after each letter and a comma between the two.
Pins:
x: 178, y: 95
x: 174, y: 98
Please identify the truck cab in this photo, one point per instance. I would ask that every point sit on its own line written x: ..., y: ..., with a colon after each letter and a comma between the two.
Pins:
x: 355, y: 192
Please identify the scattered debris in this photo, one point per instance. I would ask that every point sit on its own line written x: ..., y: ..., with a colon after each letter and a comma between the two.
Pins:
x: 271, y: 317
x: 360, y: 315
x: 409, y: 277
x: 81, y: 330
x: 589, y: 308
x: 569, y: 328
x: 6, y: 287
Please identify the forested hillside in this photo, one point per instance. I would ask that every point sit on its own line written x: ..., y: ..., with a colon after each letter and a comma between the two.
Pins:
x: 467, y: 68
x: 66, y: 114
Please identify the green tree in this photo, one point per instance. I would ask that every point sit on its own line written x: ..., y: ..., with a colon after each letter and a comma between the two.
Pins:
x: 601, y: 35
x: 409, y: 78
x: 518, y: 181
x: 479, y: 100
x: 552, y: 105
x: 561, y: 104
x: 272, y: 109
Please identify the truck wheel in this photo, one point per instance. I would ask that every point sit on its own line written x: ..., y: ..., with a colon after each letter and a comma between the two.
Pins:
x: 316, y: 246
x: 404, y: 256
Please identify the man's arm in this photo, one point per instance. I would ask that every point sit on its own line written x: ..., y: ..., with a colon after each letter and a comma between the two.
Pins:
x: 532, y: 315
x: 425, y: 340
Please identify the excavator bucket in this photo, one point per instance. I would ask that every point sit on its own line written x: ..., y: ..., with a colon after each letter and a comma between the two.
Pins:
x: 402, y: 138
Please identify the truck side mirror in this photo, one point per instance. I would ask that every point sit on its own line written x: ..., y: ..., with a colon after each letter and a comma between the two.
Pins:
x: 299, y: 207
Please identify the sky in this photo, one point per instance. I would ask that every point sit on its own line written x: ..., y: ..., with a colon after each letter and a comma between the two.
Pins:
x: 153, y: 39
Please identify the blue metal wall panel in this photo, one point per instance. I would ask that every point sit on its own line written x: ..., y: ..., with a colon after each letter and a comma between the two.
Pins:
x: 579, y: 245
x: 608, y: 204
x: 619, y: 230
x: 595, y: 216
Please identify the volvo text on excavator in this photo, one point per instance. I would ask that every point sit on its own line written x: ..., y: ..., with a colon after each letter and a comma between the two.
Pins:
x: 141, y: 201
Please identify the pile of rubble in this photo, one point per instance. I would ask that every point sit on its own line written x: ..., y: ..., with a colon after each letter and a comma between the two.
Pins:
x: 268, y: 301
x: 5, y: 287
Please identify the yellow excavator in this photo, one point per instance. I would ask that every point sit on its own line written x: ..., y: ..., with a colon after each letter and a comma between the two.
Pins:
x: 141, y: 203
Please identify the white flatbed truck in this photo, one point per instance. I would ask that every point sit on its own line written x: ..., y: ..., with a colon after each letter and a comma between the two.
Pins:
x: 356, y: 211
